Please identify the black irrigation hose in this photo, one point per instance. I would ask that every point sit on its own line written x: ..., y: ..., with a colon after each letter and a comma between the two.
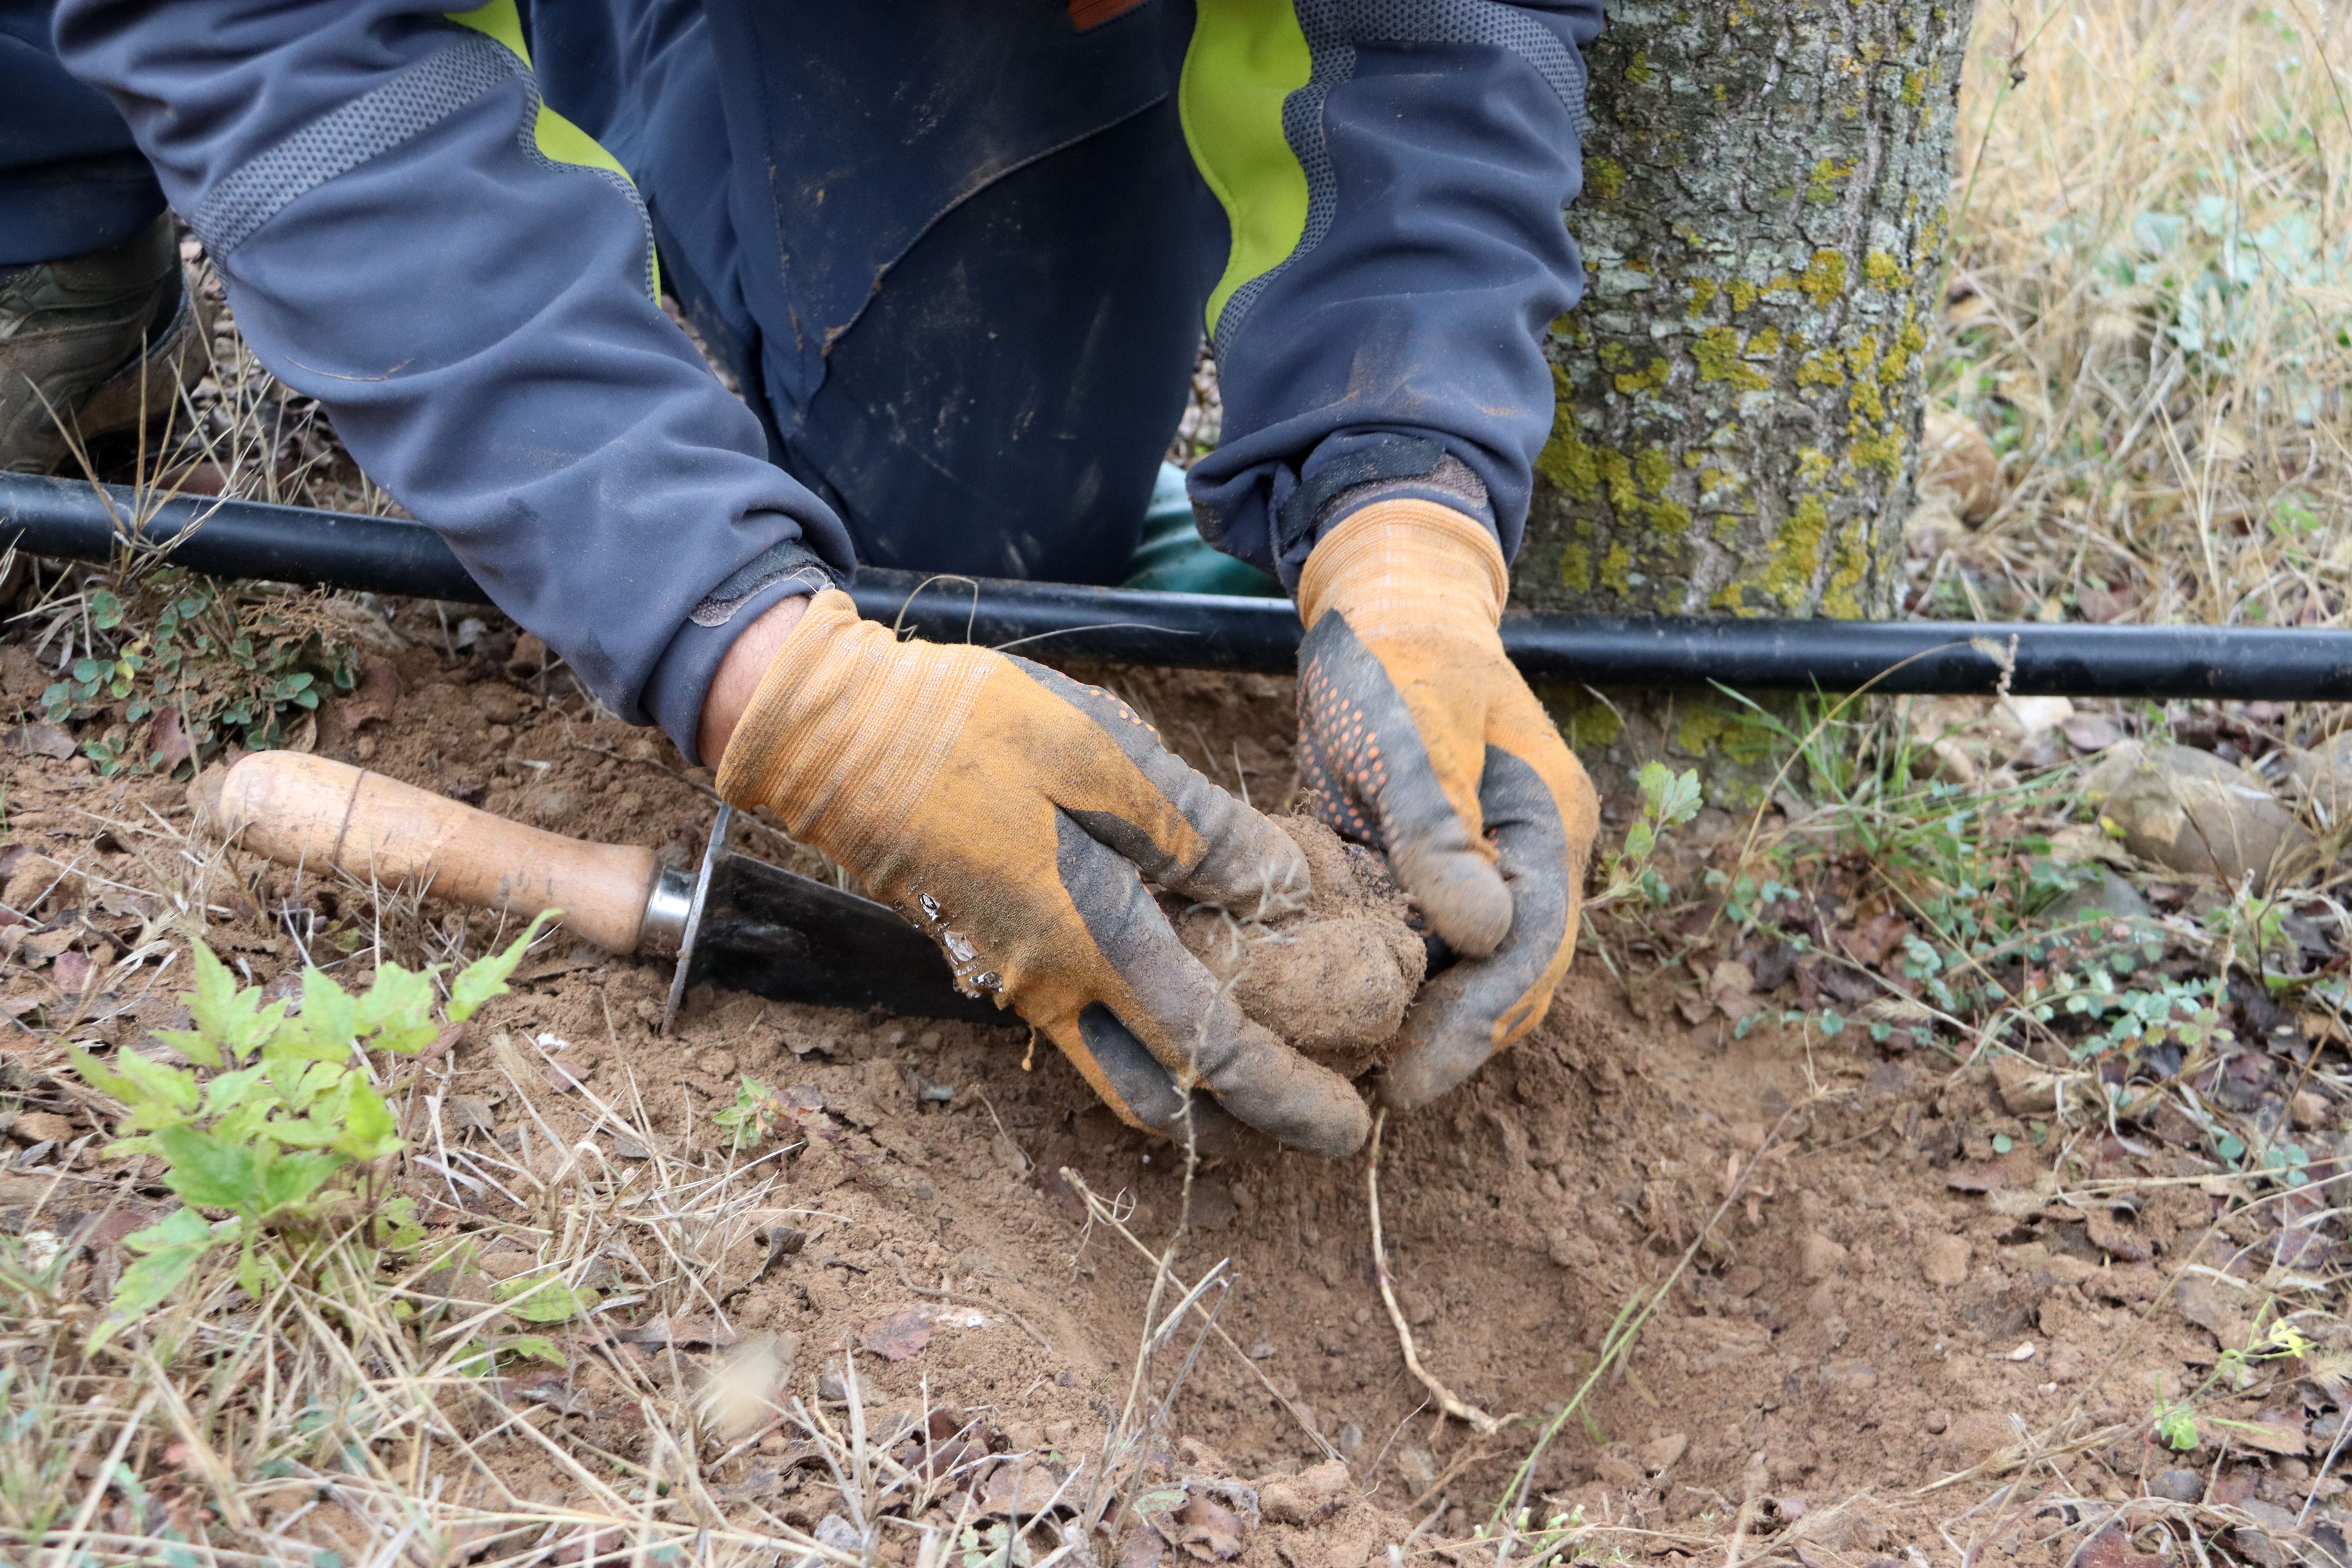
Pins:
x: 76, y: 521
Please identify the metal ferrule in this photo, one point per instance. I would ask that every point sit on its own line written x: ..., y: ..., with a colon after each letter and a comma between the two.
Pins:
x: 667, y: 907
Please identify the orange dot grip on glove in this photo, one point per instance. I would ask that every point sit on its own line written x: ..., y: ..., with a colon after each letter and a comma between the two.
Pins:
x: 1418, y: 736
x: 1014, y: 813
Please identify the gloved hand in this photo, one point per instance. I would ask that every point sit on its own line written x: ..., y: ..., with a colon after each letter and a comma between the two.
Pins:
x: 1008, y: 811
x: 1417, y: 736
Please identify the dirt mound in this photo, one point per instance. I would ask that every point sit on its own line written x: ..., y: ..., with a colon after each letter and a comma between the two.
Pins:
x: 1334, y: 978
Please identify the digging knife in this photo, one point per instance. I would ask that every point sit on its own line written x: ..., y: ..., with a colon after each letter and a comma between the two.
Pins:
x: 733, y: 922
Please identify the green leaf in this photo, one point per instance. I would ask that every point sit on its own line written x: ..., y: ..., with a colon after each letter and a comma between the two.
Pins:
x: 291, y: 1178
x: 544, y: 1300
x: 369, y: 1130
x: 2003, y: 1142
x: 168, y: 1251
x: 192, y: 1044
x: 160, y: 1094
x: 232, y: 1018
x: 329, y: 1015
x: 396, y: 1227
x: 486, y: 977
x: 226, y: 1092
x: 101, y: 1077
x: 207, y: 1171
x: 398, y: 1010
x: 537, y: 1346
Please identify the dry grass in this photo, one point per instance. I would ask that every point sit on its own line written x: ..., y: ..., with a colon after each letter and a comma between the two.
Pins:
x: 2153, y: 311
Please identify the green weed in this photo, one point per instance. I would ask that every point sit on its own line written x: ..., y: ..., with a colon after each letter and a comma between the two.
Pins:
x: 223, y: 662
x: 278, y: 1122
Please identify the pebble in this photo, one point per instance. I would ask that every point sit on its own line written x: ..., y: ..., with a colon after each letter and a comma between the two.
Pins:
x: 1946, y: 1261
x: 2177, y: 1486
x: 1937, y: 1421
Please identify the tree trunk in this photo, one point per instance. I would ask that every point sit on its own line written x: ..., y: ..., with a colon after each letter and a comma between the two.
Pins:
x: 1740, y: 392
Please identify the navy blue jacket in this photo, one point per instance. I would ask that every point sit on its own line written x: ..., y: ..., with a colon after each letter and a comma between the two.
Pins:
x: 467, y: 281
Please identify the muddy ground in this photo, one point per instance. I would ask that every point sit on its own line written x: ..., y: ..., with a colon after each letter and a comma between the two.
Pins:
x: 1885, y: 1302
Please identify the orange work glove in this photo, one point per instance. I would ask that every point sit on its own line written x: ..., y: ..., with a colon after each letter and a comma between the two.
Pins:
x: 1417, y: 737
x: 1014, y: 813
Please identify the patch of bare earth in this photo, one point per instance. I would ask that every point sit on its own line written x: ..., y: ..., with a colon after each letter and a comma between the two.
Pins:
x: 1873, y: 1300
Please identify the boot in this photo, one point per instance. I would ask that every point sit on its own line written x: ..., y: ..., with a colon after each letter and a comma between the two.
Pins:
x: 98, y: 341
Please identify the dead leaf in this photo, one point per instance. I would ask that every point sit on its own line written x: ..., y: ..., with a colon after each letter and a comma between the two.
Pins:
x: 72, y: 972
x: 1732, y: 987
x: 40, y: 739
x: 1871, y: 942
x: 470, y: 1115
x: 897, y: 1337
x: 1957, y: 458
x: 2270, y: 1431
x: 376, y: 699
x: 169, y: 740
x: 1209, y: 1530
x: 2101, y: 606
x: 1025, y: 1487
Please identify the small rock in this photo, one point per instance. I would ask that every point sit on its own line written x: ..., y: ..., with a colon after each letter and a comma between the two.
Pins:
x: 497, y: 702
x: 2261, y: 1548
x: 1308, y: 1496
x: 2191, y: 811
x: 2022, y: 1353
x: 831, y: 1389
x: 2177, y: 1486
x: 2309, y: 1108
x: 1659, y: 1455
x: 1263, y: 1350
x: 2110, y: 895
x: 1946, y: 1262
x: 530, y: 654
x: 1818, y: 1258
x: 43, y: 1127
x: 2091, y: 731
x: 1938, y: 1422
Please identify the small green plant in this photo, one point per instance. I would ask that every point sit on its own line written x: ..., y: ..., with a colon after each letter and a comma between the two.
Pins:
x: 2175, y: 1423
x: 278, y: 1124
x: 232, y: 662
x: 1668, y: 801
x: 753, y: 1117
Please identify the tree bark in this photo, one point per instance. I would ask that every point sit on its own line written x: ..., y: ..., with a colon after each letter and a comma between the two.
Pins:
x: 1740, y: 392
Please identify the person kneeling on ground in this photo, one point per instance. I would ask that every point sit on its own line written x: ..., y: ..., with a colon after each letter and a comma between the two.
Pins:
x: 957, y: 256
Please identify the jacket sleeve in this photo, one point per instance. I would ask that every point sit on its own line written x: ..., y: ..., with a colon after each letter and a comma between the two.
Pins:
x: 465, y: 281
x: 1393, y: 174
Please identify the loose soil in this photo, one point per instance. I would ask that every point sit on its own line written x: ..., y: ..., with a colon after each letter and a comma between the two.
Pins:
x: 1887, y: 1302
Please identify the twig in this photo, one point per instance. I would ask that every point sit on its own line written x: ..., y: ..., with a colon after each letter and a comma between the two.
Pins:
x: 1487, y: 1426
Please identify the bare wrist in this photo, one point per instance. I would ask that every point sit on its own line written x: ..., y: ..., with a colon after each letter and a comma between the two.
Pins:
x: 739, y: 672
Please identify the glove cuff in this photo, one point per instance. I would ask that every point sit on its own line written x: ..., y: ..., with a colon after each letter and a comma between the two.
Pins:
x: 1403, y: 565
x: 848, y: 726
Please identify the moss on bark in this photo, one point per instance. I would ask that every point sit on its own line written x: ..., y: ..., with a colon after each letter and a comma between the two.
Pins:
x: 1739, y: 393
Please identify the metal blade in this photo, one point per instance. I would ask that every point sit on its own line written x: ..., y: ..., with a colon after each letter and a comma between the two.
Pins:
x: 776, y: 933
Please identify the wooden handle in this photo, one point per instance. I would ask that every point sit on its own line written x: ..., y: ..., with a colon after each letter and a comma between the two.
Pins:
x: 305, y: 810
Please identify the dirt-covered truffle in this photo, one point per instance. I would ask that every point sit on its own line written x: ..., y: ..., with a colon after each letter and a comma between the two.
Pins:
x: 1334, y: 979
